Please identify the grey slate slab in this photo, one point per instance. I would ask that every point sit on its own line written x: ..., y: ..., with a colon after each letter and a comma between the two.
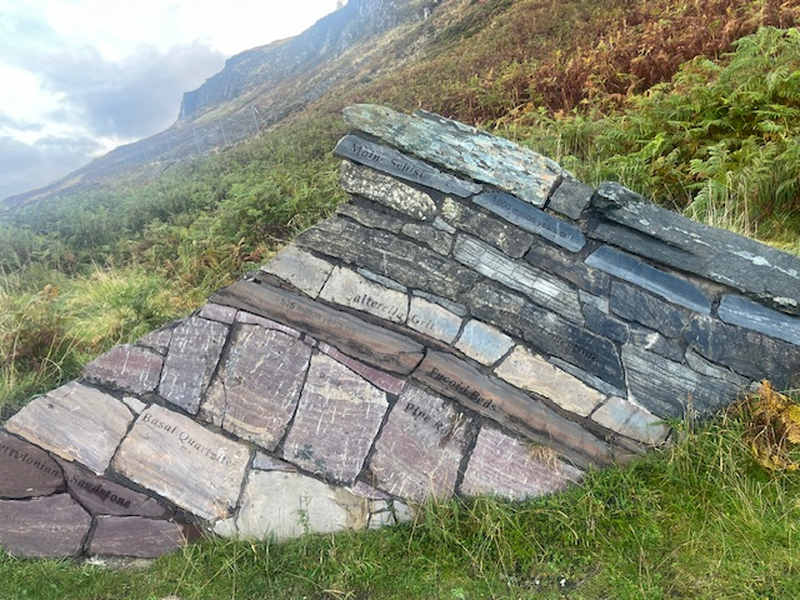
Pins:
x: 543, y: 288
x: 55, y: 526
x: 555, y: 260
x: 375, y: 345
x: 604, y: 325
x: 572, y: 343
x: 633, y: 304
x: 403, y: 166
x: 666, y: 285
x: 26, y: 471
x: 368, y: 216
x: 532, y: 219
x: 460, y: 148
x: 672, y: 390
x: 405, y: 262
x: 763, y: 273
x: 736, y: 310
x: 499, y: 233
x: 571, y: 198
x: 747, y: 352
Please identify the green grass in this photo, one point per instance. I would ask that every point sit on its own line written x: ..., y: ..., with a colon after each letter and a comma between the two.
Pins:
x: 698, y: 519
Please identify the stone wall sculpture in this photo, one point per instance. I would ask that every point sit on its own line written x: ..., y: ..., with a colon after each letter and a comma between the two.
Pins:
x: 474, y: 321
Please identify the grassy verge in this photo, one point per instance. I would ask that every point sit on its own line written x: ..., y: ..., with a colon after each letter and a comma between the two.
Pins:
x: 699, y: 519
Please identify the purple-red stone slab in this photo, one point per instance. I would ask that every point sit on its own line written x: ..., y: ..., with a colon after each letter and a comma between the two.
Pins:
x: 420, y: 449
x: 179, y: 459
x: 337, y: 419
x: 100, y: 496
x: 378, y: 346
x: 510, y: 468
x: 129, y: 368
x: 193, y: 355
x: 256, y: 390
x: 510, y: 407
x: 26, y: 471
x: 135, y: 537
x: 51, y: 527
x: 157, y: 340
x: 388, y: 383
x: 218, y: 312
x: 75, y: 422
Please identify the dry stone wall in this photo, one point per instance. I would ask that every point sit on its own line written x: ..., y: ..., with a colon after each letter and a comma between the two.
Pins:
x: 474, y: 321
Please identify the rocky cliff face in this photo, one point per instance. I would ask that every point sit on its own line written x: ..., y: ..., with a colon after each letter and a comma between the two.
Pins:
x: 274, y: 63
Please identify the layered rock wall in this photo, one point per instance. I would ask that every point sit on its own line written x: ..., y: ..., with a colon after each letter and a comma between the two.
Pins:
x: 474, y: 321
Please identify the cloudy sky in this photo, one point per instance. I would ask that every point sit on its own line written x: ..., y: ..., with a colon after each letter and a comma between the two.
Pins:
x: 80, y: 77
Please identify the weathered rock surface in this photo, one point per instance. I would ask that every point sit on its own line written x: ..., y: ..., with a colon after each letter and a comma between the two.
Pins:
x: 337, y: 419
x: 75, y: 422
x: 279, y: 506
x: 507, y: 467
x: 165, y: 451
x: 421, y: 447
x: 374, y: 344
x: 55, y: 526
x: 194, y: 352
x: 129, y: 368
x: 462, y: 149
x: 26, y: 471
x: 135, y: 537
x: 764, y: 273
x: 249, y: 397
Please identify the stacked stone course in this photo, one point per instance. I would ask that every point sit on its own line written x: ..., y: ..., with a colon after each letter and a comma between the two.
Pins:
x: 474, y: 321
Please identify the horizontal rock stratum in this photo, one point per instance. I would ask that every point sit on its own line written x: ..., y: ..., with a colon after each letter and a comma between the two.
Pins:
x: 474, y: 321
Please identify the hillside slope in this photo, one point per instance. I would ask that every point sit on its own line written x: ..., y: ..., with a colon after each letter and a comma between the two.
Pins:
x: 474, y: 60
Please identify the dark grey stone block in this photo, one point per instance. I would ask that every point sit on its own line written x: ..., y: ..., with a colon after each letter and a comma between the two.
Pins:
x: 653, y: 341
x: 500, y: 234
x: 674, y: 289
x: 390, y: 256
x: 543, y: 288
x: 554, y: 260
x: 672, y: 390
x: 403, y: 166
x: 370, y: 217
x: 763, y: 273
x: 633, y: 304
x: 747, y: 352
x: 547, y: 331
x: 736, y: 310
x: 571, y: 198
x: 532, y: 219
x: 604, y: 325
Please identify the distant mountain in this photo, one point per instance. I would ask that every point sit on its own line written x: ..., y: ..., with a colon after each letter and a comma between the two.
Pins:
x: 483, y: 62
x: 255, y: 90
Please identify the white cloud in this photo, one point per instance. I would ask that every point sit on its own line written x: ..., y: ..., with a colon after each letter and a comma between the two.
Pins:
x: 81, y: 76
